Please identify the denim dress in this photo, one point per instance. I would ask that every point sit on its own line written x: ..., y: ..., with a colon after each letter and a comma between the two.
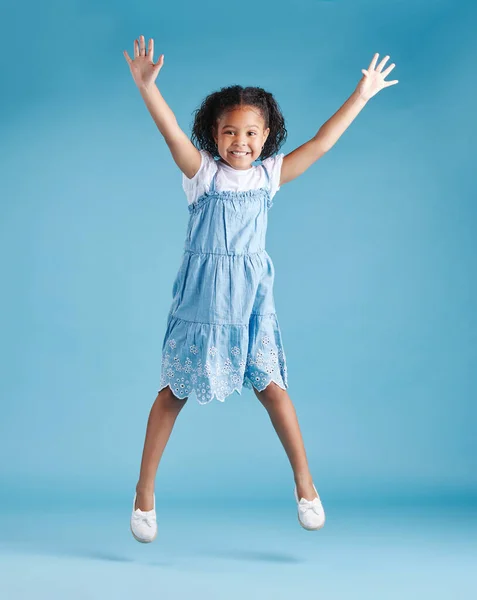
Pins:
x: 222, y: 330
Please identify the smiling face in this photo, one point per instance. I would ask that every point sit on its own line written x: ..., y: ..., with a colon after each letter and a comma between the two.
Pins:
x: 242, y: 130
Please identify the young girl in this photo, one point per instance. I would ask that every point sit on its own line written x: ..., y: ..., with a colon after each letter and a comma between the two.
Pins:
x: 222, y: 328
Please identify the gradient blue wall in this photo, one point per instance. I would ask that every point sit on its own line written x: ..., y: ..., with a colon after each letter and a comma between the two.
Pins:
x: 374, y: 249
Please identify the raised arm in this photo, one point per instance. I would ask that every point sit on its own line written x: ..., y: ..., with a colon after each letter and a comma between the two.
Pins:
x: 144, y: 73
x: 298, y: 161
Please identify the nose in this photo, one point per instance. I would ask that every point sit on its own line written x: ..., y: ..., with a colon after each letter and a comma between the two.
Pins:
x: 241, y: 141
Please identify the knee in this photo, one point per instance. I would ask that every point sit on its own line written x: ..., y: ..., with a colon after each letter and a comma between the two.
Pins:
x: 272, y: 393
x: 167, y: 401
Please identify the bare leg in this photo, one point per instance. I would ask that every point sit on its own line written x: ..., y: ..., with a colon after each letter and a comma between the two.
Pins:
x: 283, y: 416
x: 161, y: 420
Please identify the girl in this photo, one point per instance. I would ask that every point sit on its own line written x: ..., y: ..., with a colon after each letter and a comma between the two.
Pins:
x: 222, y: 329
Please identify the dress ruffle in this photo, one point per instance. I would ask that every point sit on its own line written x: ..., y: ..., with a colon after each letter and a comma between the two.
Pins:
x: 234, y: 196
x: 224, y: 371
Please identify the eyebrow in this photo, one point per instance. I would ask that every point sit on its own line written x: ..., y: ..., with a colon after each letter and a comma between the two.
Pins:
x: 233, y: 126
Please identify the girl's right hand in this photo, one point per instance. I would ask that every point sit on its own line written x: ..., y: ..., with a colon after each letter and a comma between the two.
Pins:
x: 143, y: 70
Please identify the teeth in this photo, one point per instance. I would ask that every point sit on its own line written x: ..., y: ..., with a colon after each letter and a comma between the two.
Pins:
x: 239, y: 153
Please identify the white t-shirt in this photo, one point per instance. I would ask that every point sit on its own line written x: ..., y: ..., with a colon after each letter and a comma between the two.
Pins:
x: 229, y: 178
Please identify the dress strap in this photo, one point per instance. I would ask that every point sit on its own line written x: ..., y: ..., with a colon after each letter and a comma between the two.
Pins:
x: 268, y: 177
x: 212, y: 185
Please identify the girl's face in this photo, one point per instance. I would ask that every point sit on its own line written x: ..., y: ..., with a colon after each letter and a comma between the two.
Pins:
x: 241, y: 130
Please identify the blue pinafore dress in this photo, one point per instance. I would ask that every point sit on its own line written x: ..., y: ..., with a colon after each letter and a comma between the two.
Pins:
x: 222, y: 330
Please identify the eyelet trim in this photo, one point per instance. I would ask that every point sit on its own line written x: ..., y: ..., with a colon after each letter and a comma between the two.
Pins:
x: 218, y: 378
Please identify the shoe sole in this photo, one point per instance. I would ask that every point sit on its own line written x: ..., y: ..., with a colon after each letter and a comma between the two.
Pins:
x: 139, y: 539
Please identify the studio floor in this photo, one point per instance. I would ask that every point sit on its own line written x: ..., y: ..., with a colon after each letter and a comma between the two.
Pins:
x: 239, y: 552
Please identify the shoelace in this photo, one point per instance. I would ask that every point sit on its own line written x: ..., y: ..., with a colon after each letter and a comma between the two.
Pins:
x: 314, y: 505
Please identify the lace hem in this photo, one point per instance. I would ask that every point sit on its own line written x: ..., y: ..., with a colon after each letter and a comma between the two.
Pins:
x: 246, y: 383
x: 216, y: 362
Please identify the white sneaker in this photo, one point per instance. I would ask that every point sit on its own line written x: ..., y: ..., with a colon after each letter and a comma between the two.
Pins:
x: 143, y: 523
x: 311, y: 514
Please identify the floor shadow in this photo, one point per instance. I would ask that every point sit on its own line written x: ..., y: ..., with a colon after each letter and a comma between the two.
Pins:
x: 272, y: 557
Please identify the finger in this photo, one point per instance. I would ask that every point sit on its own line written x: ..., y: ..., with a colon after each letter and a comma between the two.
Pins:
x: 142, y: 46
x: 379, y: 68
x: 393, y: 82
x: 150, y: 52
x: 388, y: 70
x: 136, y: 49
x: 160, y: 62
x: 364, y: 72
x: 126, y: 56
x: 373, y: 62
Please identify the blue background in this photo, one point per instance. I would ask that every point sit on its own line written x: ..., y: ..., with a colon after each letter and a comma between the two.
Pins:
x: 375, y: 254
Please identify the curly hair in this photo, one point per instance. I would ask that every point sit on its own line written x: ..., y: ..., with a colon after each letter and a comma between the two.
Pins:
x: 227, y: 98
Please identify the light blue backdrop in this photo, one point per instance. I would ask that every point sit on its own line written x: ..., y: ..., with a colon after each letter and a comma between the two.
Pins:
x: 374, y: 249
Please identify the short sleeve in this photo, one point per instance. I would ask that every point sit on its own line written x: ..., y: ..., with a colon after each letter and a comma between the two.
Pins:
x: 200, y: 183
x: 273, y: 164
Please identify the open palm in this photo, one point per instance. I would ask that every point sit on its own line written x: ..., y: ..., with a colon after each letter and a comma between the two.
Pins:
x: 143, y: 68
x: 373, y: 78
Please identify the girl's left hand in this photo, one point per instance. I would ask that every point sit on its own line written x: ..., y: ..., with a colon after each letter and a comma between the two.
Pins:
x: 373, y: 79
